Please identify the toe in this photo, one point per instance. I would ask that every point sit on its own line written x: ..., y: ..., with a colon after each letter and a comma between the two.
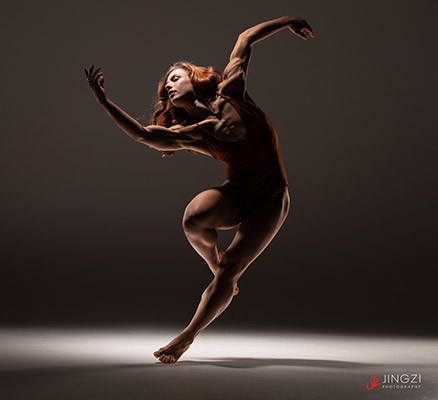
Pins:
x: 170, y: 359
x: 164, y: 358
x: 158, y: 353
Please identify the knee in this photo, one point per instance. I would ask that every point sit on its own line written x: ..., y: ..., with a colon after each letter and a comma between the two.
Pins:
x: 231, y: 268
x: 191, y: 222
x: 196, y: 221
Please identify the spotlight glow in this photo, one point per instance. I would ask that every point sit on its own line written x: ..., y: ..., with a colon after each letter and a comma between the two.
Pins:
x: 237, y: 364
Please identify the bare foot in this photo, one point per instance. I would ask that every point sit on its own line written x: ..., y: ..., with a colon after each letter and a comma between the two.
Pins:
x: 220, y: 255
x: 170, y: 353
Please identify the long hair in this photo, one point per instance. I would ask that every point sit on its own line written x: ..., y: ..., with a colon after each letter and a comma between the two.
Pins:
x: 205, y: 81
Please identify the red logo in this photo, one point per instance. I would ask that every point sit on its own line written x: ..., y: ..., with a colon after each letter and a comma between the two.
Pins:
x: 373, y: 382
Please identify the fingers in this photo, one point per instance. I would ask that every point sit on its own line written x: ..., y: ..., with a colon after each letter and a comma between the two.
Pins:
x: 304, y: 33
x: 94, y: 77
x: 301, y: 28
x: 95, y: 74
x: 95, y: 80
x: 308, y: 32
x: 88, y: 73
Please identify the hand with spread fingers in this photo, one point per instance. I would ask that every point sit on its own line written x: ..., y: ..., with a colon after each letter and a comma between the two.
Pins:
x: 96, y: 81
x: 301, y: 28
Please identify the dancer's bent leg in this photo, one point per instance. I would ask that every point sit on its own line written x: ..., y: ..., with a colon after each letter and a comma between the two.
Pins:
x: 209, y: 210
x: 217, y: 208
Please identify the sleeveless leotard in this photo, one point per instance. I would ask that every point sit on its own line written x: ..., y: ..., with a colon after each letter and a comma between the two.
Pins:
x: 254, y: 164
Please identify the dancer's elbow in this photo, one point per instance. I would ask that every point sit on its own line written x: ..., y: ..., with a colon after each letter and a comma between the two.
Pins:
x: 158, y: 142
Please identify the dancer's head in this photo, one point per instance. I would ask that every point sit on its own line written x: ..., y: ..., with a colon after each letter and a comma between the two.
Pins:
x: 183, y: 83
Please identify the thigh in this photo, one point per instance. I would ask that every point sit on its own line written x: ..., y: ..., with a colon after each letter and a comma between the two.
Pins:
x: 219, y: 207
x: 257, y: 230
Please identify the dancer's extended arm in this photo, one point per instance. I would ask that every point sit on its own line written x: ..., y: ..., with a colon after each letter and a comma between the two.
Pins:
x: 235, y: 71
x: 155, y: 136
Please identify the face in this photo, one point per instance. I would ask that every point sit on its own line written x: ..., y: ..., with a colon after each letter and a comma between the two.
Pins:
x: 179, y: 87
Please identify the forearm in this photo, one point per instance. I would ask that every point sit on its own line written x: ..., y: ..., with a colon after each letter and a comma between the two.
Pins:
x: 264, y: 29
x: 123, y: 120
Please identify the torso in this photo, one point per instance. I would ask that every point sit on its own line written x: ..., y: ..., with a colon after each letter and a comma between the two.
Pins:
x: 228, y: 124
x: 247, y: 143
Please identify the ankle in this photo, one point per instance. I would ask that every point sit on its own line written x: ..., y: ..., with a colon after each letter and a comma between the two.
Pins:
x: 188, y: 335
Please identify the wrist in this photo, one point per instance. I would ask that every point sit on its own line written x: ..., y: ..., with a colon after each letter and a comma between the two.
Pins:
x: 288, y: 20
x: 103, y: 101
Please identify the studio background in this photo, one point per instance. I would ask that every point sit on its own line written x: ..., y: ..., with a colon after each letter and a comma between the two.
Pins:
x: 91, y: 220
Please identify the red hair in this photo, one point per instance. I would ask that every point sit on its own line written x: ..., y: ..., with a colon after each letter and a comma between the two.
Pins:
x: 205, y: 81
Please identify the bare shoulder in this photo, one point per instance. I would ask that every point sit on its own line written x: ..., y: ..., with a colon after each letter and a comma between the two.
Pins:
x: 234, y: 83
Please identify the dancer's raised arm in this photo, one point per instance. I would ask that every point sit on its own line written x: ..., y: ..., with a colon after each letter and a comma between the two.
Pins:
x: 235, y: 71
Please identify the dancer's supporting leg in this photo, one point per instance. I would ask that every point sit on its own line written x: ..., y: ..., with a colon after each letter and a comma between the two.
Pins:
x: 254, y: 234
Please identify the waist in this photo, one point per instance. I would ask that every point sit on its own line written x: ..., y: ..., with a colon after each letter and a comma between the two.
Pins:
x: 257, y: 174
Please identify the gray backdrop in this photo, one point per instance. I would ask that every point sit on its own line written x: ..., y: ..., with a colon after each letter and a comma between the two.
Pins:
x: 91, y: 220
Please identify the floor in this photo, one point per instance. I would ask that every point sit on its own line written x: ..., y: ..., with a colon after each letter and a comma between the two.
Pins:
x: 117, y: 363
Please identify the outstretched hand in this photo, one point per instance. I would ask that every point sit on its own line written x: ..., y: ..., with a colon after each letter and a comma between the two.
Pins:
x: 96, y: 81
x: 301, y: 28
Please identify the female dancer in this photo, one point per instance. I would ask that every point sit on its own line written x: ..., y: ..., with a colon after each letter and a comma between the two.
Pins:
x: 204, y: 111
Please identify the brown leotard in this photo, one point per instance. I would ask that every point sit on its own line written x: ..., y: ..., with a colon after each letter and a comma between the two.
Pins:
x: 254, y: 164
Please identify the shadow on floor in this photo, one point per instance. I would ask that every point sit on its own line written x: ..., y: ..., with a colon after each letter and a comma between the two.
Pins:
x: 239, y: 363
